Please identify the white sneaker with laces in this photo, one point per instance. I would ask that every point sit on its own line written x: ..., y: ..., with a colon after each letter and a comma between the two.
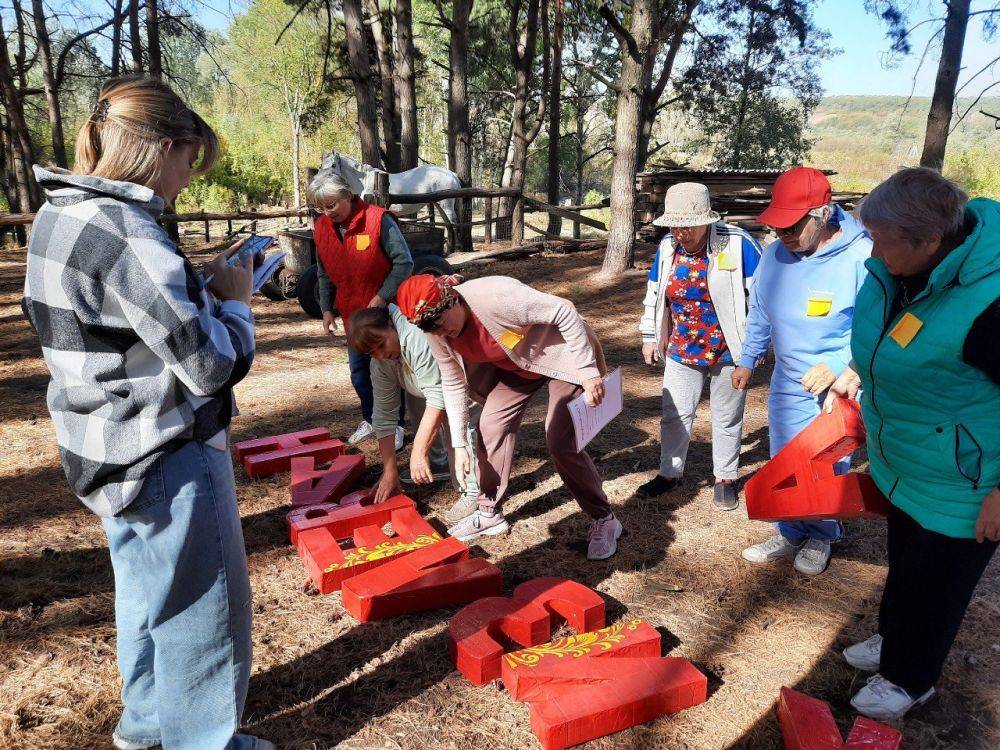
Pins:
x: 364, y: 431
x: 813, y: 558
x: 774, y: 548
x: 867, y: 655
x: 400, y: 436
x: 604, y: 533
x: 477, y: 525
x: 879, y: 699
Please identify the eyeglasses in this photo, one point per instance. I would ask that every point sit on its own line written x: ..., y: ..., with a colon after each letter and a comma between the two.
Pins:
x: 816, y: 213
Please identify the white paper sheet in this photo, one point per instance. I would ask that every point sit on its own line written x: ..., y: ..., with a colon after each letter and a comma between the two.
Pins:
x: 589, y: 420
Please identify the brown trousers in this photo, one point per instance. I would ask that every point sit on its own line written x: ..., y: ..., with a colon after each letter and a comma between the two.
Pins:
x: 507, y: 395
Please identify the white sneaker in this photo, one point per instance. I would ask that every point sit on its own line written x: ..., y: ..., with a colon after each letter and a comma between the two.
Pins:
x: 879, y: 699
x: 813, y: 558
x: 604, y: 533
x: 867, y: 655
x: 399, y: 438
x: 120, y: 743
x: 774, y: 548
x: 477, y: 525
x: 364, y: 431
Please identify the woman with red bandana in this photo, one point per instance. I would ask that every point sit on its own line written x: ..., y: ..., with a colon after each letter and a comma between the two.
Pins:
x: 499, y: 341
x: 362, y: 254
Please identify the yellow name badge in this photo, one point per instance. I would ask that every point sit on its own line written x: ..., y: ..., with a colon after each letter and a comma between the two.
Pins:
x: 906, y: 329
x: 364, y: 241
x: 819, y: 304
x: 725, y: 262
x: 510, y: 339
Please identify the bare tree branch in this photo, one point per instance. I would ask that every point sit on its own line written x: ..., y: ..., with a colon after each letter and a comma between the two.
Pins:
x: 627, y: 40
x: 974, y: 103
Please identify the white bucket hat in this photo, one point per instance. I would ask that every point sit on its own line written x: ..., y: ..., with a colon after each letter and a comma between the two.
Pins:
x: 687, y: 204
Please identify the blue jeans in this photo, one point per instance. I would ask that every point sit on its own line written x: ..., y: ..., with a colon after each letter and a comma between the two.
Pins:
x: 183, y: 605
x: 788, y: 415
x: 361, y: 379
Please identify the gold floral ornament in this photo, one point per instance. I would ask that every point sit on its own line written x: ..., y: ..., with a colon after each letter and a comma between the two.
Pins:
x: 575, y: 645
x: 382, y: 550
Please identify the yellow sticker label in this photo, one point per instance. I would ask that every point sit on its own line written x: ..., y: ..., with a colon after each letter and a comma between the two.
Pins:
x: 364, y: 241
x: 906, y: 329
x: 819, y: 304
x: 725, y: 263
x: 510, y: 338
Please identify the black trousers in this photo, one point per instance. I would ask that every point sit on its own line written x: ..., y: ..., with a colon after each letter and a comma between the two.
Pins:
x: 929, y: 586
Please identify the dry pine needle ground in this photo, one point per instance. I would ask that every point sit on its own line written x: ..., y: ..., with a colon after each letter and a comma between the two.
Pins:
x: 321, y: 680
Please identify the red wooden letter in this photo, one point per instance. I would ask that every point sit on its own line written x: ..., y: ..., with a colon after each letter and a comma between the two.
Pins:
x: 436, y: 576
x: 799, y: 483
x: 272, y: 455
x: 311, y: 486
x: 341, y: 519
x: 329, y: 565
x: 807, y: 723
x: 867, y: 734
x: 526, y: 618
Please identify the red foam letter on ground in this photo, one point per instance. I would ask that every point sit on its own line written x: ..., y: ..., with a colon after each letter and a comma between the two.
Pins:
x: 799, y: 482
x: 526, y: 618
x: 341, y: 519
x: 436, y: 576
x: 867, y: 734
x: 807, y: 723
x: 272, y: 455
x: 622, y: 692
x: 329, y: 565
x: 311, y: 486
x: 528, y: 673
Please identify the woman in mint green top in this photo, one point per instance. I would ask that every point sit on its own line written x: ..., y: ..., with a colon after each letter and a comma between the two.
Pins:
x: 926, y: 348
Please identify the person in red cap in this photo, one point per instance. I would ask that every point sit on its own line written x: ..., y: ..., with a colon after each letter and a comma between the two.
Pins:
x: 500, y: 341
x: 802, y: 304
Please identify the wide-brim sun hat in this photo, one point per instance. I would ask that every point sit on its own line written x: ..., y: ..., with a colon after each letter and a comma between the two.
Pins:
x: 795, y: 193
x: 687, y: 204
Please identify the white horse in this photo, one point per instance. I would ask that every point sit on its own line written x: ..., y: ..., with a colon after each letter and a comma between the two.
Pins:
x: 424, y: 179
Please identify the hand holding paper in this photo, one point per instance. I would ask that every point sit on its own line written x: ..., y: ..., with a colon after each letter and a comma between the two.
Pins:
x: 589, y: 420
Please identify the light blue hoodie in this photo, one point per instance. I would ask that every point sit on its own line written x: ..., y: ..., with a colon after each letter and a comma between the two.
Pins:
x: 779, y: 299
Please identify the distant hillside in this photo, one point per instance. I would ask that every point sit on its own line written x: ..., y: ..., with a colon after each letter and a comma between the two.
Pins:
x: 866, y: 138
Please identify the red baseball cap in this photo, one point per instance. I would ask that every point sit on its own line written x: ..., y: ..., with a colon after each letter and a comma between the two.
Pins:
x: 795, y: 193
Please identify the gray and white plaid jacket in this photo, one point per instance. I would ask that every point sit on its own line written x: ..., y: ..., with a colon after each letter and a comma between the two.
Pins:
x: 141, y: 357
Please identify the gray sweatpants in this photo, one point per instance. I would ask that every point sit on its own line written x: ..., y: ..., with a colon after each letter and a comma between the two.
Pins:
x: 682, y: 387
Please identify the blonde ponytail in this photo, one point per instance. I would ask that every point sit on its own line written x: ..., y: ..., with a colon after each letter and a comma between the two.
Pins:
x: 120, y: 140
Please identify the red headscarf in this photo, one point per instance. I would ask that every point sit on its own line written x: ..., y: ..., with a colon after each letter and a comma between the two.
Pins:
x: 424, y: 297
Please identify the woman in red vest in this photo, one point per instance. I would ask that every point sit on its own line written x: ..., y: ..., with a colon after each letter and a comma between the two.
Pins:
x: 363, y: 255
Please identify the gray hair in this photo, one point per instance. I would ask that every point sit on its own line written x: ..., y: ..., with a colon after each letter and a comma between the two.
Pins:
x: 918, y: 203
x: 327, y: 186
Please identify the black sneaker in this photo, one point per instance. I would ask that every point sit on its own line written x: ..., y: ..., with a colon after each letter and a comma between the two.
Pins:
x: 657, y: 486
x: 726, y: 497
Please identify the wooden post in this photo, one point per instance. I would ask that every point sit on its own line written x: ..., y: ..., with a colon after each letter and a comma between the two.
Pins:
x: 380, y: 188
x: 207, y: 237
x: 517, y: 221
x: 229, y: 227
x: 488, y: 227
x: 432, y: 209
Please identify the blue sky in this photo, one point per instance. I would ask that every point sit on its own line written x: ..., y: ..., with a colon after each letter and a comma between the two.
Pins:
x: 860, y: 69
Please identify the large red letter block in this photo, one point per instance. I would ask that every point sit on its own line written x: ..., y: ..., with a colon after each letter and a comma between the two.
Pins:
x: 341, y: 519
x: 799, y: 483
x: 621, y: 692
x: 807, y: 723
x: 440, y: 575
x: 272, y: 455
x: 529, y: 673
x: 329, y: 565
x: 867, y: 734
x: 311, y: 486
x: 526, y: 618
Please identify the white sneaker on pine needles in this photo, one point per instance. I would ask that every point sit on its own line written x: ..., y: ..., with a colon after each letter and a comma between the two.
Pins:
x: 604, y: 533
x: 867, y: 655
x: 364, y: 431
x: 881, y: 700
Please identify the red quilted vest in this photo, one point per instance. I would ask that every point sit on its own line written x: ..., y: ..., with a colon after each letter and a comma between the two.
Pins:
x: 356, y: 265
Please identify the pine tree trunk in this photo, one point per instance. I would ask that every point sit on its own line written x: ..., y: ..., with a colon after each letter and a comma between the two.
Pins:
x: 135, y: 36
x: 153, y: 38
x: 49, y: 79
x: 555, y: 112
x: 406, y: 91
x: 621, y: 234
x: 390, y: 117
x: 22, y: 154
x: 361, y: 74
x: 116, y: 40
x: 296, y: 159
x: 459, y: 131
x: 949, y: 66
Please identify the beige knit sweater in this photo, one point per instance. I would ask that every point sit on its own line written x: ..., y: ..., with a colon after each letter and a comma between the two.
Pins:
x: 540, y: 333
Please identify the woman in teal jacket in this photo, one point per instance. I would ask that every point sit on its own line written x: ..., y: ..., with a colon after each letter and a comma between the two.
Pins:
x: 926, y: 346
